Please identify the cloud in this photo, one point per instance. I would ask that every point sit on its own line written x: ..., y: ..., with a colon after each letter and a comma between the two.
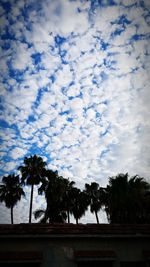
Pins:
x: 9, y: 166
x: 17, y: 152
x: 64, y: 17
x: 22, y: 57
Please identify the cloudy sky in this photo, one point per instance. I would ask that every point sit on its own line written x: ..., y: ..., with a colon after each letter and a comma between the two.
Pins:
x: 74, y: 89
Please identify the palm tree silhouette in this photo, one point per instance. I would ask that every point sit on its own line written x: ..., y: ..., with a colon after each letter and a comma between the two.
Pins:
x: 32, y: 174
x: 95, y: 202
x: 67, y: 195
x: 139, y: 191
x: 53, y: 186
x: 11, y: 192
x: 125, y: 199
x: 116, y: 197
x: 79, y: 203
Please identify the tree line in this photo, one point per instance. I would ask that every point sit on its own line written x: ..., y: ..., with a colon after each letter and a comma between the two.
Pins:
x: 125, y: 199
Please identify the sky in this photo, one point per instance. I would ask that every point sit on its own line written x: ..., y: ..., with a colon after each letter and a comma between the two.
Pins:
x: 74, y: 89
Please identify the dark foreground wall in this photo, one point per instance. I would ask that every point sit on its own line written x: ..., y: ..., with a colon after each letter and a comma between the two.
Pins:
x: 69, y: 245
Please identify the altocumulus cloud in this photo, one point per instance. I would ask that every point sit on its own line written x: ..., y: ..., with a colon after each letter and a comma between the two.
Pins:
x: 75, y: 89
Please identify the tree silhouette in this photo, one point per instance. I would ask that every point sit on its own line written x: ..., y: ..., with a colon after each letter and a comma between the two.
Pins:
x: 62, y: 199
x: 54, y: 188
x: 94, y: 196
x: 139, y: 191
x: 125, y: 199
x: 79, y: 203
x: 32, y: 174
x: 67, y: 195
x: 11, y: 192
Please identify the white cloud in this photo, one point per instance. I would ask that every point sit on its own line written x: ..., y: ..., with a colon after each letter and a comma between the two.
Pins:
x: 10, y: 166
x: 64, y: 76
x: 17, y: 152
x: 22, y: 57
x: 128, y: 2
x: 63, y: 17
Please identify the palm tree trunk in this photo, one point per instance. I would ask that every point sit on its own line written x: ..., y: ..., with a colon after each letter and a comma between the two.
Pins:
x: 68, y: 216
x: 12, y: 219
x: 76, y: 220
x: 97, y: 217
x: 31, y: 201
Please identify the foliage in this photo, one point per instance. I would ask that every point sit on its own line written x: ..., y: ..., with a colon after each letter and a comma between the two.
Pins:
x: 32, y: 171
x: 32, y: 174
x: 125, y: 199
x: 11, y: 192
x: 79, y: 203
x: 54, y: 188
x: 94, y: 196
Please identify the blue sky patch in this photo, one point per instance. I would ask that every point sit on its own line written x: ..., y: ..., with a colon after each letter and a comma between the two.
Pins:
x: 4, y: 124
x: 36, y: 58
x: 6, y: 6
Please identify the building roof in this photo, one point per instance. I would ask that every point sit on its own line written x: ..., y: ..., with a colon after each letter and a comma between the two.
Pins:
x: 50, y: 230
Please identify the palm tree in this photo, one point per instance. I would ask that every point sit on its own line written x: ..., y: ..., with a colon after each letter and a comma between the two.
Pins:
x: 11, y: 192
x: 94, y: 196
x: 139, y: 191
x: 54, y: 188
x: 32, y: 172
x: 125, y: 199
x: 116, y: 198
x: 67, y: 195
x: 79, y: 203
